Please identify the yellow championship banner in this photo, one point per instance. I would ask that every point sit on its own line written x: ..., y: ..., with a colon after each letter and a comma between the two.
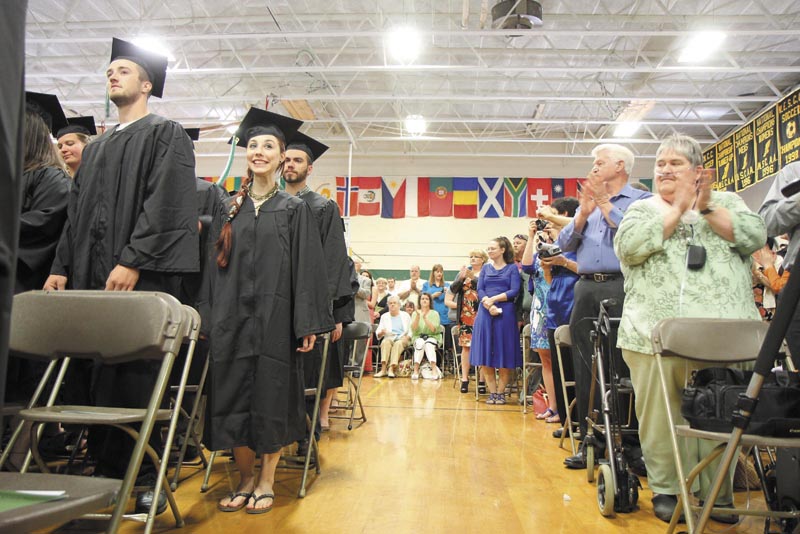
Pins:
x: 726, y: 167
x: 744, y: 147
x: 766, y: 144
x: 788, y: 122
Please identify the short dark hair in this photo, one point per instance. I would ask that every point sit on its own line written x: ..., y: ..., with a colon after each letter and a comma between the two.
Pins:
x: 565, y: 205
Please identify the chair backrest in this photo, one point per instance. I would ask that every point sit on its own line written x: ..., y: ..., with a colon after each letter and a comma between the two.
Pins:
x: 709, y: 340
x: 562, y: 336
x: 356, y: 330
x: 110, y: 326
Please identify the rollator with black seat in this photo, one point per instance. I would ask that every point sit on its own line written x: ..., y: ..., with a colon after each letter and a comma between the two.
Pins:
x: 617, y: 486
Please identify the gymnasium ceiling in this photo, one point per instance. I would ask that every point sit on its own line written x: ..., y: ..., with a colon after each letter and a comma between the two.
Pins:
x: 553, y: 91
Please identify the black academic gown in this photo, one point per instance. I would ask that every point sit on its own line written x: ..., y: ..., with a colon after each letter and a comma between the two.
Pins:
x: 273, y: 292
x: 340, y: 291
x: 44, y: 211
x: 133, y: 203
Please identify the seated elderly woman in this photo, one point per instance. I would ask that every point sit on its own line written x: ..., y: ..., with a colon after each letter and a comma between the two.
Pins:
x: 426, y: 336
x: 659, y: 244
x: 393, y: 334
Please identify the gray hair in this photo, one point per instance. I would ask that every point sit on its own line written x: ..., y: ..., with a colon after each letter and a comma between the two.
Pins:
x: 618, y: 153
x: 684, y: 145
x: 393, y: 298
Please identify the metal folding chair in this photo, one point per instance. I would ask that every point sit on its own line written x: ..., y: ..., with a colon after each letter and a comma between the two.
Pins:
x: 354, y: 332
x: 112, y: 328
x: 529, y: 366
x: 194, y: 419
x: 564, y: 339
x: 720, y: 342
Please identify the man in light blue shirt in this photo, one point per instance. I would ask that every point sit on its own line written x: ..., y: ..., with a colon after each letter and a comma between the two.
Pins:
x: 604, y: 197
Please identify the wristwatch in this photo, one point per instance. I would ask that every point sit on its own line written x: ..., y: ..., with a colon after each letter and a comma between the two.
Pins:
x: 709, y: 208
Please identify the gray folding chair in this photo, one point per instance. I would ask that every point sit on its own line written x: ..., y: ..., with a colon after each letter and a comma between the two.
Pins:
x: 717, y: 342
x: 112, y: 328
x: 564, y: 339
x: 354, y: 332
x: 194, y: 419
x: 529, y: 366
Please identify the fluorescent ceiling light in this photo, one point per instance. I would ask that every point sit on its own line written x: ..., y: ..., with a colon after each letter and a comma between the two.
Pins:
x: 232, y: 128
x: 153, y: 44
x: 404, y: 44
x: 416, y: 125
x: 700, y: 46
x: 626, y: 128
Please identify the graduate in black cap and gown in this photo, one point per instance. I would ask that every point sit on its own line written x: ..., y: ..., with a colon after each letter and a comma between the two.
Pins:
x: 269, y: 300
x: 72, y: 139
x: 132, y: 224
x: 301, y: 153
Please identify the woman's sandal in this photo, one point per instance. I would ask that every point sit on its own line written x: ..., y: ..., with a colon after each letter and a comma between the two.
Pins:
x: 258, y: 498
x: 482, y: 388
x: 555, y: 418
x: 232, y: 496
x: 547, y: 414
x: 500, y: 398
x: 491, y: 399
x: 464, y: 386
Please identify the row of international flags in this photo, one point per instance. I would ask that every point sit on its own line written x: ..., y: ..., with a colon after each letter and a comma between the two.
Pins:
x: 397, y: 197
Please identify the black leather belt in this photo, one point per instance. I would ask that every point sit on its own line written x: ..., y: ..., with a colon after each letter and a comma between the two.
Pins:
x: 601, y: 277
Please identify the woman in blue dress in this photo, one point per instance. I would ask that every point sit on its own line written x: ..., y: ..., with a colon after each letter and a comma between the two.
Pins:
x: 495, y: 336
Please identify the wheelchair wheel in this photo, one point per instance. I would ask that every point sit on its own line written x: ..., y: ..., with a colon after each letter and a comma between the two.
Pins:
x: 590, y: 463
x: 605, y: 491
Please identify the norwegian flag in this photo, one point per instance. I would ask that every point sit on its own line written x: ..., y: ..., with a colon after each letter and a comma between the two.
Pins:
x: 347, y: 196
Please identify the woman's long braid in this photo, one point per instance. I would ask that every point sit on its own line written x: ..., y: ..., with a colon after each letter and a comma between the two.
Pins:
x: 223, y: 244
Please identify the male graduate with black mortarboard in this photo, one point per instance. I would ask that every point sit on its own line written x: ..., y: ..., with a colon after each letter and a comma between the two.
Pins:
x: 301, y: 153
x: 132, y: 224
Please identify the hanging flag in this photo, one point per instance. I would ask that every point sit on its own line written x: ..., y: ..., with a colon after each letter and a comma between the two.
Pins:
x: 440, y: 200
x: 232, y: 183
x: 418, y: 194
x: 393, y: 198
x: 369, y: 195
x: 515, y: 197
x: 347, y: 196
x: 465, y: 198
x: 490, y: 197
x: 564, y: 187
x: 540, y: 193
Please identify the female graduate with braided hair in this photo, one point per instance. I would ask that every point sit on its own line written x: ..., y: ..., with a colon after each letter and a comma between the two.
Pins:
x: 268, y: 301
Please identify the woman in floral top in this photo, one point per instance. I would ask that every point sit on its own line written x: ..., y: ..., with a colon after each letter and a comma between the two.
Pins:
x: 652, y: 243
x: 465, y: 287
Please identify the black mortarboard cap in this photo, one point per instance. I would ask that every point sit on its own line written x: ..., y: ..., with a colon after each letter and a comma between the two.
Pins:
x: 193, y: 133
x: 155, y: 65
x: 260, y: 122
x: 307, y: 144
x: 48, y: 107
x: 80, y: 125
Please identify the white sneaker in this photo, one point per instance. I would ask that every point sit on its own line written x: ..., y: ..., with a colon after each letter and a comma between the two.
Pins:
x: 414, y: 376
x: 379, y: 374
x: 391, y: 374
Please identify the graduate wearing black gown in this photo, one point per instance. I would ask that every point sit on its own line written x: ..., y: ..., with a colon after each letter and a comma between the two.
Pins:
x: 301, y: 153
x: 132, y: 225
x: 269, y: 300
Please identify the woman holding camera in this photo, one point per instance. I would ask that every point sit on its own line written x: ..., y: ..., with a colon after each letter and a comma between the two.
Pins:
x: 685, y: 252
x: 425, y: 336
x: 495, y: 336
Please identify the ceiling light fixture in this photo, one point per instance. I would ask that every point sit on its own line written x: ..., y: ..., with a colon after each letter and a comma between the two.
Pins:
x: 415, y: 125
x: 517, y: 14
x: 153, y: 44
x: 629, y: 121
x: 404, y: 44
x: 700, y: 46
x: 626, y: 128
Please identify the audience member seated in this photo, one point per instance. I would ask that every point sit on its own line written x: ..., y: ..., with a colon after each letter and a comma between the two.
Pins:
x: 425, y: 336
x: 379, y: 295
x: 652, y: 244
x: 393, y: 333
x: 409, y: 307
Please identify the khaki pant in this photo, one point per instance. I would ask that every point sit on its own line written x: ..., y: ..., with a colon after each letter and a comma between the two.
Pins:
x: 392, y: 350
x: 651, y: 410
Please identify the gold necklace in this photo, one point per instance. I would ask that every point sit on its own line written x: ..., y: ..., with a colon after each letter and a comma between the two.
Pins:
x: 266, y: 196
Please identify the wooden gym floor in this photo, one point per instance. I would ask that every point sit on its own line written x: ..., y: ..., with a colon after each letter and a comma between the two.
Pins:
x: 429, y: 459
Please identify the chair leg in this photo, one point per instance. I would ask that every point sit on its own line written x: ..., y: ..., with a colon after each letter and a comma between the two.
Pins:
x: 204, y: 485
x: 190, y: 428
x: 313, y: 445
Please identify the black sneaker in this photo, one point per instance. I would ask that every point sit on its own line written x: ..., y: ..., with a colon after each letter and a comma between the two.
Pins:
x: 664, y: 507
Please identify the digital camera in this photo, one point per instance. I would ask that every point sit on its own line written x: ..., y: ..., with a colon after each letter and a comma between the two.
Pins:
x: 547, y: 250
